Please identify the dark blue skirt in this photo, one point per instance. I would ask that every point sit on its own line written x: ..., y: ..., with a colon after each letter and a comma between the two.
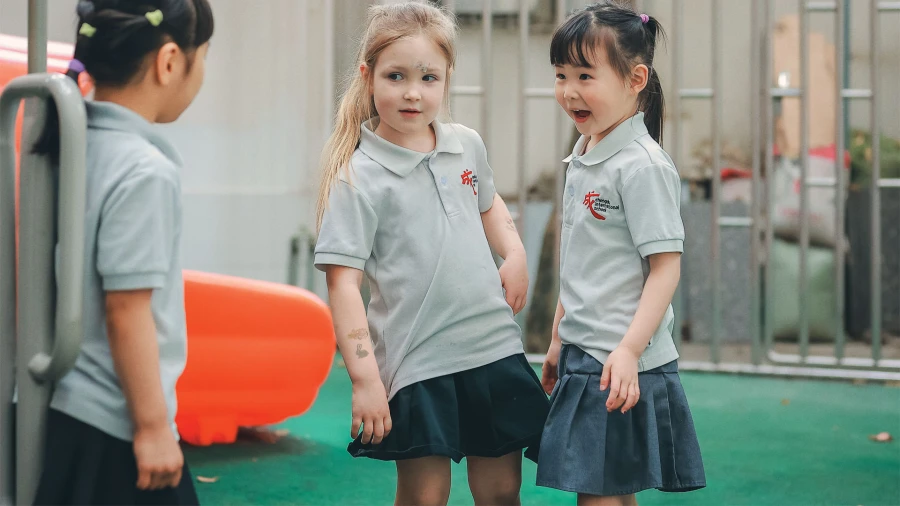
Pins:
x: 488, y: 411
x: 84, y: 465
x: 587, y: 450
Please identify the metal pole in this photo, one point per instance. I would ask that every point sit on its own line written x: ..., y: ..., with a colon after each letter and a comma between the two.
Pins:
x: 560, y: 179
x: 37, y: 270
x: 523, y: 116
x: 769, y: 113
x: 874, y: 189
x: 755, y: 213
x: 487, y: 71
x: 716, y: 185
x: 37, y: 36
x: 804, y: 188
x: 839, y: 191
x: 675, y: 147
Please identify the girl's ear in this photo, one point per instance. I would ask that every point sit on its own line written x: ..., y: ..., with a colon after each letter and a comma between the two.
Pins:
x: 365, y: 74
x: 164, y: 65
x: 639, y: 77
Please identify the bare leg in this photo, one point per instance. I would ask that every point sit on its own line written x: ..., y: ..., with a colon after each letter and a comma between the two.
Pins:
x: 496, y: 481
x: 423, y: 482
x: 614, y: 500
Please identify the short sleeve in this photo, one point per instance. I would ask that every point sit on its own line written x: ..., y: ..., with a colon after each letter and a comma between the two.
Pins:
x: 486, y: 189
x: 137, y: 236
x: 347, y: 234
x: 651, y: 198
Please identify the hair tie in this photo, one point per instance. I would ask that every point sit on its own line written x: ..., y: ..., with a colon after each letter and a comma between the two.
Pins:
x: 76, y: 66
x: 154, y: 17
x: 644, y: 18
x: 87, y: 30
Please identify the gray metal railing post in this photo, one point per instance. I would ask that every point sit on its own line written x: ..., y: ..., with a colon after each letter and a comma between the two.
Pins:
x: 839, y: 188
x: 875, y: 187
x: 40, y: 272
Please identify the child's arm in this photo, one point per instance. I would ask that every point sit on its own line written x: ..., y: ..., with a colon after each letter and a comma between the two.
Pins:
x: 665, y: 270
x: 505, y: 241
x: 549, y: 372
x: 370, y: 406
x: 135, y: 352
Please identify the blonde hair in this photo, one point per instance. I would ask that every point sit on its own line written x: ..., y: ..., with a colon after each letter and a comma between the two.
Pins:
x: 386, y: 24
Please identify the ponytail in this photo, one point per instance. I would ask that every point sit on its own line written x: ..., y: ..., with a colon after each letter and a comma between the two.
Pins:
x: 48, y: 142
x: 653, y: 104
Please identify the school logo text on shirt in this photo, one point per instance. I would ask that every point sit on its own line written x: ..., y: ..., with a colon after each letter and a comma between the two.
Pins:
x: 470, y: 179
x: 597, y: 205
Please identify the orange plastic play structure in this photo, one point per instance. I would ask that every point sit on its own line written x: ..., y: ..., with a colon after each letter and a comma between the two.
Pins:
x: 258, y: 352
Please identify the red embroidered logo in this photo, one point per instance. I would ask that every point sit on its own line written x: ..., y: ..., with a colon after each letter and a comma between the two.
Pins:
x: 592, y: 202
x: 470, y: 179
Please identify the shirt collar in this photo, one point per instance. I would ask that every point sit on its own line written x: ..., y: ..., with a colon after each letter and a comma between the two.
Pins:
x: 621, y: 136
x: 111, y: 116
x: 397, y: 159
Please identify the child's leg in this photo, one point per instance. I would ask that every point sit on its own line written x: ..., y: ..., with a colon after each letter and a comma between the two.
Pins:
x: 424, y: 481
x: 496, y: 481
x: 614, y: 500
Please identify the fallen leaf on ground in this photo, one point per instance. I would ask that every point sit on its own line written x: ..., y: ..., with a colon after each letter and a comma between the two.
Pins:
x: 785, y: 402
x: 882, y: 437
x: 204, y: 479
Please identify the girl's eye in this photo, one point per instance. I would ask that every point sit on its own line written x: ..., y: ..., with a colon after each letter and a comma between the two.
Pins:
x: 560, y: 76
x: 584, y: 77
x: 395, y: 76
x: 430, y: 78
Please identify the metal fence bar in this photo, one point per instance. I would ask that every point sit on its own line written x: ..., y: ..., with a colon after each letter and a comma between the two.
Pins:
x: 696, y: 93
x: 560, y: 176
x: 523, y: 115
x: 716, y: 337
x: 675, y: 147
x: 804, y: 189
x: 756, y: 195
x: 839, y: 197
x: 487, y: 71
x: 874, y: 188
x: 769, y: 113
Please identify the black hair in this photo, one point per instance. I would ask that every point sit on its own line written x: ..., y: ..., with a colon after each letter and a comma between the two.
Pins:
x: 628, y: 40
x: 115, y: 36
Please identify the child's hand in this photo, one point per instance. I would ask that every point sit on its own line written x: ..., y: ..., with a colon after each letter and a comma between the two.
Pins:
x: 620, y: 375
x: 370, y: 409
x: 159, y: 458
x: 549, y: 372
x: 514, y: 278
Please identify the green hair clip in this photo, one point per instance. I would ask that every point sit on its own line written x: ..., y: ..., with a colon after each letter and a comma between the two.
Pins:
x: 154, y: 17
x: 87, y: 30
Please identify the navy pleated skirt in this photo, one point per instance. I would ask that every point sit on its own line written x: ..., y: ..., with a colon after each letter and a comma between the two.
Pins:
x: 488, y: 411
x: 587, y: 450
x: 84, y: 465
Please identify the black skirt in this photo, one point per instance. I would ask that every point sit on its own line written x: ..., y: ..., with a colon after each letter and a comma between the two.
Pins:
x: 591, y: 451
x: 488, y: 411
x: 84, y: 465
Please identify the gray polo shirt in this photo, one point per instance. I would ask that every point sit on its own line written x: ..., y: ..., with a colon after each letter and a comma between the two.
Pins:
x: 621, y: 204
x: 132, y: 235
x: 412, y: 222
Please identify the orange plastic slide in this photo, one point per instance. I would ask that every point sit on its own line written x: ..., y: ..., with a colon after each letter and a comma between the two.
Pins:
x: 258, y: 353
